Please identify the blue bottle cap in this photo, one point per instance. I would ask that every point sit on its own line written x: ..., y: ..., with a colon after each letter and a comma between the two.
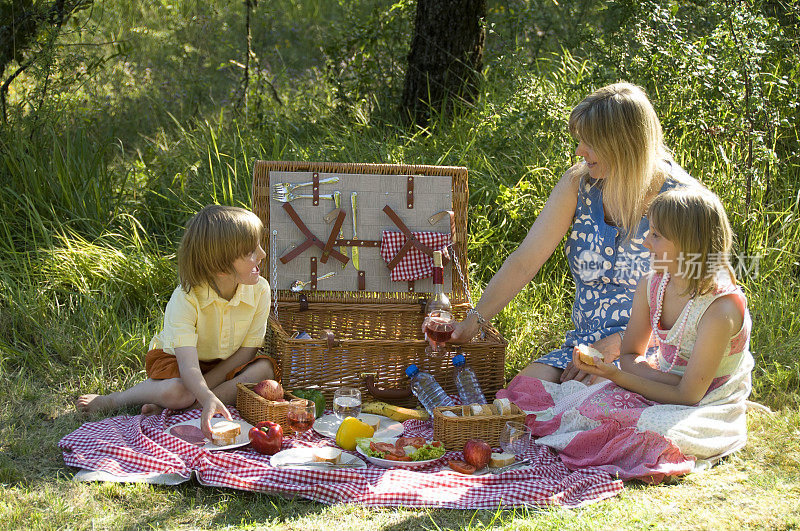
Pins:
x: 458, y: 360
x: 412, y: 370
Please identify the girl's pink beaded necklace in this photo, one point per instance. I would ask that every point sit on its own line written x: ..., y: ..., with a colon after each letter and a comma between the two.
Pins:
x: 662, y: 287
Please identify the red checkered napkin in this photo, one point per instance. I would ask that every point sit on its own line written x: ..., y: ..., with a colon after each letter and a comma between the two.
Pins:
x: 415, y: 264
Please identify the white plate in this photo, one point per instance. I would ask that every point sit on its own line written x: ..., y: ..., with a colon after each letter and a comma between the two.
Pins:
x: 388, y: 463
x: 328, y: 425
x: 241, y: 440
x: 299, y: 457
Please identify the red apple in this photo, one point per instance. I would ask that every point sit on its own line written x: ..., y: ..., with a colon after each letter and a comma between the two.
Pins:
x: 269, y: 389
x: 477, y: 453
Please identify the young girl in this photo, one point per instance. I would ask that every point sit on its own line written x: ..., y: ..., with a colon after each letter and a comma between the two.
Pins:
x: 660, y: 416
x: 214, y: 322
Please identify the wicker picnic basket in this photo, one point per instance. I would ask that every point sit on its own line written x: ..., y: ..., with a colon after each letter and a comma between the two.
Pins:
x: 254, y: 408
x: 455, y: 431
x: 360, y: 337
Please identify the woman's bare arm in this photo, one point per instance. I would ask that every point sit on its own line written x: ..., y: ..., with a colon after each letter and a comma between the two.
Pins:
x: 522, y: 265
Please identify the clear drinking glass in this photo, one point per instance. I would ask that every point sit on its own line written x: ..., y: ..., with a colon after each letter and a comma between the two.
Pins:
x: 300, y: 416
x: 346, y: 402
x: 515, y: 438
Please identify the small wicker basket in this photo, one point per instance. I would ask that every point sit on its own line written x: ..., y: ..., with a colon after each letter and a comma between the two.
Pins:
x: 254, y: 408
x: 455, y: 431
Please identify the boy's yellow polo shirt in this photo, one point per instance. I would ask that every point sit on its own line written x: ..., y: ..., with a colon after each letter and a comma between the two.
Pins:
x: 217, y: 327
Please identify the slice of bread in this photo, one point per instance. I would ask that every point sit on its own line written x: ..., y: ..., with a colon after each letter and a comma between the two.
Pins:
x: 225, y: 432
x: 327, y: 454
x: 587, y: 354
x: 498, y: 460
x: 449, y: 414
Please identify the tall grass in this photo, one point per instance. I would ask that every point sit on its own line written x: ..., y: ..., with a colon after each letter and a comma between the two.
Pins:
x: 95, y: 190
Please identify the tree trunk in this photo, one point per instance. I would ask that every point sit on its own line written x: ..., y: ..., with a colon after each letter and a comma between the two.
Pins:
x: 446, y: 57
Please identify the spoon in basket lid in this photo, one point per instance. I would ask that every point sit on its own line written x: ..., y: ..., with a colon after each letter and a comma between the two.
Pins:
x: 298, y: 285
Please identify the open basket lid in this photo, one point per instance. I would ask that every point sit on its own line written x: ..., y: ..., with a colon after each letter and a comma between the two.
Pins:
x: 301, y: 244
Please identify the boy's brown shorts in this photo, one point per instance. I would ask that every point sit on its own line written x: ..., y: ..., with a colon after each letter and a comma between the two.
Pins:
x: 160, y: 365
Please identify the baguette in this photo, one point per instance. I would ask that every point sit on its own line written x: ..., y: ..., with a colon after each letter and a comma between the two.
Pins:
x: 224, y: 433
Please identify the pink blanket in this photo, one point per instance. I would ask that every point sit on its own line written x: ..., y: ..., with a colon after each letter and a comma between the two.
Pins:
x: 607, y: 427
x: 136, y: 448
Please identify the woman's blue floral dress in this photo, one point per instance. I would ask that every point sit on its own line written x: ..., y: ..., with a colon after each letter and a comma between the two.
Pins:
x: 605, y: 268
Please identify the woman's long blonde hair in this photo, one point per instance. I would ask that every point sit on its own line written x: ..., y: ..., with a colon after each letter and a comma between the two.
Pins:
x: 694, y: 220
x: 622, y: 128
x: 215, y: 237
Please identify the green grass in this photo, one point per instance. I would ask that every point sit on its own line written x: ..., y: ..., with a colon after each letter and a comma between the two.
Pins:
x: 137, y: 135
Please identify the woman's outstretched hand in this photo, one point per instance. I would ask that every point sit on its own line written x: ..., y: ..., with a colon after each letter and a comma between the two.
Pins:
x: 463, y: 331
x: 609, y: 346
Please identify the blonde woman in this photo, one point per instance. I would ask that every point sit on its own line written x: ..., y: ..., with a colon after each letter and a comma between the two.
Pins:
x: 599, y: 204
x: 214, y: 322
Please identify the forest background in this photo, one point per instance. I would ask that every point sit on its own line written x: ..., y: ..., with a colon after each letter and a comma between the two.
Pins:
x: 123, y: 118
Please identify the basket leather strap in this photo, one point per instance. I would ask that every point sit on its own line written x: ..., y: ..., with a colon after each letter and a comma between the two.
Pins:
x: 410, y: 192
x: 313, y: 273
x: 309, y: 241
x: 315, y: 188
x: 337, y: 225
x: 362, y: 280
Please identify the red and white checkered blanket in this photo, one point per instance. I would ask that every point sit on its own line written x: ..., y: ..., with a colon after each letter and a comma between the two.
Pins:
x: 131, y: 447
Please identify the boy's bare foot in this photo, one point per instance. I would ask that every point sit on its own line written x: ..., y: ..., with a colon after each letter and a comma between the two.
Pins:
x: 93, y: 403
x: 151, y: 409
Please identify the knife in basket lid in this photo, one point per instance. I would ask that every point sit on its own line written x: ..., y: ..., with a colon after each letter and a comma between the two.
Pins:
x: 337, y: 199
x: 353, y: 200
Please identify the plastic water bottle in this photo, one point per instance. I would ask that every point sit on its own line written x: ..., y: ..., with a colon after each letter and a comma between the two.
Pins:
x: 429, y: 393
x: 469, y: 390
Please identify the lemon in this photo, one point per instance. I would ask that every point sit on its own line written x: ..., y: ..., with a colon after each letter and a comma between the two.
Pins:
x: 351, y: 429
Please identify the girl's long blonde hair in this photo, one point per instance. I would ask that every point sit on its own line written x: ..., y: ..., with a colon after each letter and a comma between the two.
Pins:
x: 215, y: 237
x: 622, y: 128
x: 694, y: 220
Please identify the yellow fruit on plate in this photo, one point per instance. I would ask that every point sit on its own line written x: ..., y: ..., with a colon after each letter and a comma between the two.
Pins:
x: 351, y: 429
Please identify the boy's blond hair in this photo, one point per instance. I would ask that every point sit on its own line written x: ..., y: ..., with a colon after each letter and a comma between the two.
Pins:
x: 215, y: 237
x: 694, y: 220
x: 619, y: 123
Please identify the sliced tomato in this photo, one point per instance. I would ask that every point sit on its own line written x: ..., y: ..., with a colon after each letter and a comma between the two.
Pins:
x: 461, y: 467
x: 395, y: 457
x: 436, y: 444
x: 416, y: 442
x: 382, y: 447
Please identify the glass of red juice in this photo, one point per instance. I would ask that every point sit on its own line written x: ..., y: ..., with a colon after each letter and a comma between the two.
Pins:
x: 300, y: 416
x: 439, y: 327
